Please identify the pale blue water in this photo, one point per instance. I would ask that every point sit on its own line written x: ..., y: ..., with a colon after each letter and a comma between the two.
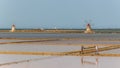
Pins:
x: 53, y: 35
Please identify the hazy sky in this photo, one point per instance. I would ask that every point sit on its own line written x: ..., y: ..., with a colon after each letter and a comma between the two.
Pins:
x: 59, y: 13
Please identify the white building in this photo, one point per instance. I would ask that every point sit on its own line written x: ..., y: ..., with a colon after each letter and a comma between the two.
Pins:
x: 88, y: 29
x: 13, y: 28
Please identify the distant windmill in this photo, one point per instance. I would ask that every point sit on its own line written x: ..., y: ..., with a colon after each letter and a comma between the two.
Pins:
x: 13, y: 28
x: 88, y: 27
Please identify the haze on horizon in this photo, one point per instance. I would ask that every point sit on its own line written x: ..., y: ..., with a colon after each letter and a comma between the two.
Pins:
x: 59, y: 13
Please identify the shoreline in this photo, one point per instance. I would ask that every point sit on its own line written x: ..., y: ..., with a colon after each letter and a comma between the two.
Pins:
x: 60, y: 31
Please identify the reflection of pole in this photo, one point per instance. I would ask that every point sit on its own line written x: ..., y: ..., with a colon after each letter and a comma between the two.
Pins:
x: 82, y: 60
x: 97, y: 61
x: 89, y: 62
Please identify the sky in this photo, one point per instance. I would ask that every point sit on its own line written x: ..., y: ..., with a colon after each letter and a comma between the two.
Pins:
x: 60, y: 13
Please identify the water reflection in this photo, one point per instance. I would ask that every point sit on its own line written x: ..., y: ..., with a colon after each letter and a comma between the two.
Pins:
x: 61, y: 62
x: 85, y: 61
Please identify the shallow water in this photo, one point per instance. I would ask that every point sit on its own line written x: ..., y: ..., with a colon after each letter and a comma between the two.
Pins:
x: 51, y: 46
x: 54, y: 35
x: 37, y: 48
x: 59, y: 62
x: 81, y: 41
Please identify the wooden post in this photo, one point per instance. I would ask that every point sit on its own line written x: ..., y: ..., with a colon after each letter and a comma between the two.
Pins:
x: 82, y: 50
x: 97, y: 51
